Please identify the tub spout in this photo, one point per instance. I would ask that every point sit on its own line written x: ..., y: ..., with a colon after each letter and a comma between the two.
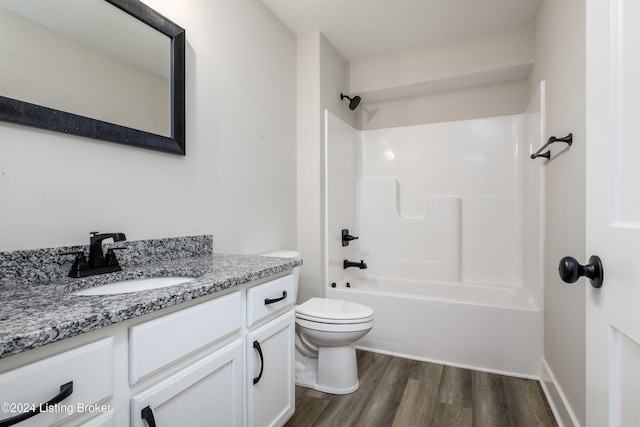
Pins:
x: 346, y: 264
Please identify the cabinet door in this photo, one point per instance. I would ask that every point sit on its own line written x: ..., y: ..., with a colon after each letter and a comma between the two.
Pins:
x: 270, y: 372
x: 207, y: 393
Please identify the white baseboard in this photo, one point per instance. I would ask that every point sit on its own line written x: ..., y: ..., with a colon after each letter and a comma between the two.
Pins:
x: 555, y: 396
x: 455, y: 365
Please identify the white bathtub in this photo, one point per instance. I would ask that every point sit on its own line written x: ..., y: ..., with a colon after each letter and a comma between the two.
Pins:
x: 489, y: 328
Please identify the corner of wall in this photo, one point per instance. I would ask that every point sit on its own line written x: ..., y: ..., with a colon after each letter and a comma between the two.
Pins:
x: 558, y: 402
x: 560, y: 61
x: 322, y: 76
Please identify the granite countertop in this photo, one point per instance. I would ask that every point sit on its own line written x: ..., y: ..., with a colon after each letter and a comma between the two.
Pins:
x: 46, y: 311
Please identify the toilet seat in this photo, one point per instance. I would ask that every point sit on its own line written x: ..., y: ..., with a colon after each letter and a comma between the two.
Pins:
x: 323, y: 314
x: 327, y: 310
x: 335, y: 327
x: 333, y: 321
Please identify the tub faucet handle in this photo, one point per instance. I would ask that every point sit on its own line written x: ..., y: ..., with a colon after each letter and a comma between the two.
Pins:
x: 346, y: 237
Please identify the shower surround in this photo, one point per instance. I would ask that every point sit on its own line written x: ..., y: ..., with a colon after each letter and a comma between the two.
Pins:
x: 449, y: 223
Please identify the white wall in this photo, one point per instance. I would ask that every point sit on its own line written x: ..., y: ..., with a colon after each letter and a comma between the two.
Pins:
x: 309, y: 168
x: 498, y: 99
x: 460, y: 79
x: 560, y: 60
x: 322, y: 76
x: 498, y: 56
x: 237, y: 181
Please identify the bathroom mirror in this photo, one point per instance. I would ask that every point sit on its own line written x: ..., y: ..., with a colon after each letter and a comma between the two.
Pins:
x: 112, y: 70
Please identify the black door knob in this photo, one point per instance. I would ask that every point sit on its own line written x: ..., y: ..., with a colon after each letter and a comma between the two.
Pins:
x: 570, y: 270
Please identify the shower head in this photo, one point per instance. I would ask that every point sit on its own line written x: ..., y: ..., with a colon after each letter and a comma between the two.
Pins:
x: 353, y: 102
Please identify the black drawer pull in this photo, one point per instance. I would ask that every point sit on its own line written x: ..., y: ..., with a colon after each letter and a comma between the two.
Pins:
x: 147, y: 415
x: 256, y: 345
x: 65, y: 391
x: 268, y: 301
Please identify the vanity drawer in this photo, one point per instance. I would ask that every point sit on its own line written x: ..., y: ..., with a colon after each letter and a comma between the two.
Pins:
x: 159, y: 342
x: 269, y: 298
x: 89, y: 368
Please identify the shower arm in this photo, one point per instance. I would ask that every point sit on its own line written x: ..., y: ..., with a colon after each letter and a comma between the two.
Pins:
x: 568, y: 139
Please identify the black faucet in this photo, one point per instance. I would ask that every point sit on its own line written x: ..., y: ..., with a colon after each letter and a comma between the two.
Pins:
x: 346, y: 264
x: 97, y: 258
x: 98, y: 262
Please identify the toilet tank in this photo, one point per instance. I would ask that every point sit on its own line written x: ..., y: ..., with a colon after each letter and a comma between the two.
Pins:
x: 296, y: 270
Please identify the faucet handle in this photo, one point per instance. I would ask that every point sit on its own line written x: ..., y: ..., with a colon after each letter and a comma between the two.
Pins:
x: 110, y: 257
x: 346, y: 237
x: 79, y: 263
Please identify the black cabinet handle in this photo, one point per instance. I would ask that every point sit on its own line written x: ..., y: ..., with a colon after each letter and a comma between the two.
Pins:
x: 570, y: 270
x: 147, y: 415
x: 268, y: 301
x: 256, y: 345
x: 65, y: 391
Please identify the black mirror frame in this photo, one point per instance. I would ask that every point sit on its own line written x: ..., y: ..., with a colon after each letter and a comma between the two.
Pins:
x: 24, y: 113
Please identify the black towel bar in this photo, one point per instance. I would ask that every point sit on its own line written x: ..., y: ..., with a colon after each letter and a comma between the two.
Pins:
x: 568, y: 139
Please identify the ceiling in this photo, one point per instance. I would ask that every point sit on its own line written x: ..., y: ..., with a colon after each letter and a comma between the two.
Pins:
x: 359, y: 28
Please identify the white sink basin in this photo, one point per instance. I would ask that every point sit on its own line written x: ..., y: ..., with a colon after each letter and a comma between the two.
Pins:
x: 134, y: 285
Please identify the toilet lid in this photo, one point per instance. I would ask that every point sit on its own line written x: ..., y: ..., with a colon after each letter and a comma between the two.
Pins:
x: 333, y: 311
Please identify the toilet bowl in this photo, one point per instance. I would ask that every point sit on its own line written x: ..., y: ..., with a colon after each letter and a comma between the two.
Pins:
x: 326, y: 330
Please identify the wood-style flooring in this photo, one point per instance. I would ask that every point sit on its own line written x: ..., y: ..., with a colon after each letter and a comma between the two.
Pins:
x: 407, y: 393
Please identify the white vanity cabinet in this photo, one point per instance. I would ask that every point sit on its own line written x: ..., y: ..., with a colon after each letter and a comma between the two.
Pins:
x: 248, y: 382
x: 78, y: 380
x: 270, y: 353
x: 189, y: 365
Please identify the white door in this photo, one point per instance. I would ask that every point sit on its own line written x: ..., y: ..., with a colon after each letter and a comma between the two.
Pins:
x: 613, y: 211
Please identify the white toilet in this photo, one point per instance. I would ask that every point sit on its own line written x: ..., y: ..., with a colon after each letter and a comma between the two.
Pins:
x: 326, y: 330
